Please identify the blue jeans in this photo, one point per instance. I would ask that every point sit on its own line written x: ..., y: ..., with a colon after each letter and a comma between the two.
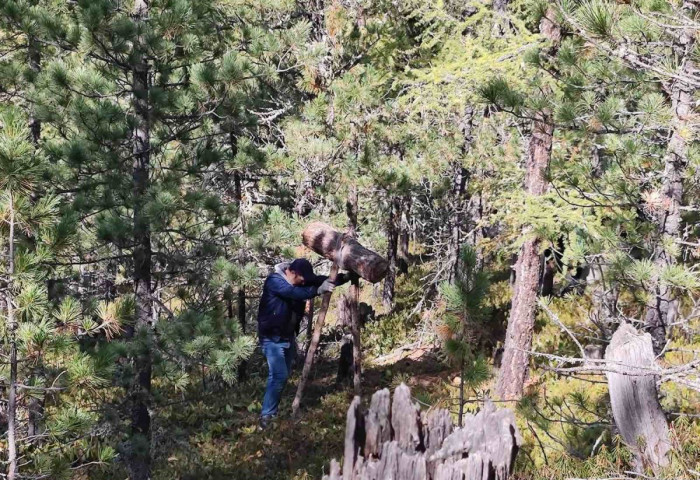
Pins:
x: 280, y: 353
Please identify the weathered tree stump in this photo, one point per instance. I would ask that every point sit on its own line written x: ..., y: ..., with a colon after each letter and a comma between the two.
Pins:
x: 394, y: 440
x: 345, y: 251
x: 634, y: 397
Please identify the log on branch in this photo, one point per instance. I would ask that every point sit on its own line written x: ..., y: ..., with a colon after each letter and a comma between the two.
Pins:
x: 635, y: 399
x: 345, y: 251
x: 394, y: 440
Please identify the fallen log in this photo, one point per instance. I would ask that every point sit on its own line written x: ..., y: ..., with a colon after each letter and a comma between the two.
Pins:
x: 394, y: 440
x: 635, y: 399
x: 345, y: 251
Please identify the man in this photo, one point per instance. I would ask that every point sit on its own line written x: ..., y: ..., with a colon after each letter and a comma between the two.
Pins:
x: 281, y: 309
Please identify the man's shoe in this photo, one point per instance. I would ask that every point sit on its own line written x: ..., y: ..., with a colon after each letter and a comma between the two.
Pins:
x: 265, y: 421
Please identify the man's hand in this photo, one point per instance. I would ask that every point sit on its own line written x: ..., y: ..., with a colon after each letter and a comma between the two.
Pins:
x: 326, y: 287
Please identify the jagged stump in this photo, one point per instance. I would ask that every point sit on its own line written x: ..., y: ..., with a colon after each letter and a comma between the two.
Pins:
x: 635, y: 398
x: 395, y: 440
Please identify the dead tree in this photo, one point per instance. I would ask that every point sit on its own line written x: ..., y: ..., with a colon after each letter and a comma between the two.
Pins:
x: 396, y: 440
x: 635, y: 399
x: 666, y: 205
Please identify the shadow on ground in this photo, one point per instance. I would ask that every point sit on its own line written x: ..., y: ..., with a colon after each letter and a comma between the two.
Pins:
x: 216, y: 436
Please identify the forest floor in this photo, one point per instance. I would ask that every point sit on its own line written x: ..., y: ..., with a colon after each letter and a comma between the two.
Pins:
x: 217, y: 437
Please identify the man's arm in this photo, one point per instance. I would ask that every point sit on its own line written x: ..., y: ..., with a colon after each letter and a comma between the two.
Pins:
x: 340, y: 279
x: 282, y: 288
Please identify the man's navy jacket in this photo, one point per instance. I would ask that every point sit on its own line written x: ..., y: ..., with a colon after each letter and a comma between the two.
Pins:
x: 282, y: 304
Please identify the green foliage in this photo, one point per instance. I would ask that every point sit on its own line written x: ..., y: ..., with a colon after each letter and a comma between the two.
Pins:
x: 264, y: 116
x: 465, y: 314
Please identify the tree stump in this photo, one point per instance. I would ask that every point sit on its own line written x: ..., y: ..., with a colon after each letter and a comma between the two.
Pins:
x: 634, y: 397
x: 394, y: 440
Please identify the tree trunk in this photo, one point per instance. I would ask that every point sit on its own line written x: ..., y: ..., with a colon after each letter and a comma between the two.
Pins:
x: 635, y: 399
x: 662, y: 308
x: 34, y: 59
x: 354, y: 298
x: 521, y: 322
x: 243, y: 366
x: 392, y: 231
x: 459, y: 189
x: 36, y: 405
x: 404, y: 235
x: 459, y: 192
x: 514, y: 365
x: 139, y: 455
x: 12, y: 471
x: 354, y: 295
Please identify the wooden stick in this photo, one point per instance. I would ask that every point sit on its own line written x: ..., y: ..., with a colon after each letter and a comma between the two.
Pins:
x: 314, y: 343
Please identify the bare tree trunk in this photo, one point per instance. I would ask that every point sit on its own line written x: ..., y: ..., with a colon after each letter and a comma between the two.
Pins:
x: 459, y: 189
x: 635, y: 399
x: 459, y: 193
x: 34, y: 58
x: 139, y: 455
x: 461, y: 395
x: 12, y: 330
x: 515, y: 361
x: 404, y: 235
x: 243, y: 366
x: 514, y: 365
x: 662, y: 308
x: 36, y: 404
x: 392, y: 232
x: 354, y: 299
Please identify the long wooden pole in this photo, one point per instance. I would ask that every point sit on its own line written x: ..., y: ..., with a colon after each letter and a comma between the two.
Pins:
x: 314, y: 343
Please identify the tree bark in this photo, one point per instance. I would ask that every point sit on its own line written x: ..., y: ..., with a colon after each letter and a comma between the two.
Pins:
x: 392, y: 231
x: 139, y: 454
x: 353, y: 298
x: 521, y: 322
x: 345, y: 251
x: 459, y: 192
x: 12, y: 471
x: 662, y: 308
x: 635, y: 399
x: 514, y: 365
x: 243, y: 366
x: 404, y: 236
x: 34, y: 59
x: 354, y: 295
x: 459, y: 189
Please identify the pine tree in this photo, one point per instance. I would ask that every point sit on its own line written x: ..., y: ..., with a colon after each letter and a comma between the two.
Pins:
x: 42, y: 336
x: 464, y: 329
x: 138, y: 101
x: 675, y: 36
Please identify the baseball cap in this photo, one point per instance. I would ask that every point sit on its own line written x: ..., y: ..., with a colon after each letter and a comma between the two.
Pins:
x: 303, y: 267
